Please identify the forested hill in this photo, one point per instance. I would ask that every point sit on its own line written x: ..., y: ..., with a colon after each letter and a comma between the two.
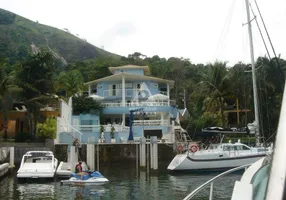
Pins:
x: 17, y: 34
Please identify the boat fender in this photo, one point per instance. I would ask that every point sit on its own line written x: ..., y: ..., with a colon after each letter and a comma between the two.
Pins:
x: 194, y: 148
x: 180, y: 148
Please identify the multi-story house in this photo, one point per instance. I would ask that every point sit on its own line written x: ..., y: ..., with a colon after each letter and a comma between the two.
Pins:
x: 126, y: 90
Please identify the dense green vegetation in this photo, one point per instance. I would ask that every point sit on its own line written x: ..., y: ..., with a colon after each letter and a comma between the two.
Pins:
x: 211, y: 89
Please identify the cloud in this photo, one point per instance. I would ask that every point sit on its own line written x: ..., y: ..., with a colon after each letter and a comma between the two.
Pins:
x: 120, y: 30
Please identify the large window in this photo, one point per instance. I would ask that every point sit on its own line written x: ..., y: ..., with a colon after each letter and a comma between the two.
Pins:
x: 86, y: 125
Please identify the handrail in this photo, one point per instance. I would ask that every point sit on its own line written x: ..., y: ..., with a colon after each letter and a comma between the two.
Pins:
x: 193, y: 193
x: 80, y: 137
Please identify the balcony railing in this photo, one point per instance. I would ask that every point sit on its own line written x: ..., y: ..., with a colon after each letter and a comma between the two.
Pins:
x: 128, y: 92
x: 151, y: 123
x: 136, y: 104
x: 96, y: 128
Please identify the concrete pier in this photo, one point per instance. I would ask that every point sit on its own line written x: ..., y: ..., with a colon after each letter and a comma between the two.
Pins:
x: 143, y: 152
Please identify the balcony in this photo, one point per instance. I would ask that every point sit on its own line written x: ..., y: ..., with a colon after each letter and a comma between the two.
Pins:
x: 96, y: 128
x: 129, y: 93
x: 151, y: 123
x: 137, y: 104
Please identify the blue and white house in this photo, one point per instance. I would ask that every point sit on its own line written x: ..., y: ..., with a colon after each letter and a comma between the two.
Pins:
x: 126, y: 90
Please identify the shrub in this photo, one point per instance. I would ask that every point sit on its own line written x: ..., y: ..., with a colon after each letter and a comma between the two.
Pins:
x: 47, y: 129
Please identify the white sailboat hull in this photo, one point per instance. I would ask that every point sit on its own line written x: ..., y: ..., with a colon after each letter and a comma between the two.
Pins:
x: 211, y: 162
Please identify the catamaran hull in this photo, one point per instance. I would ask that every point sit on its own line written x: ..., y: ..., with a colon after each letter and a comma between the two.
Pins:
x: 188, y: 162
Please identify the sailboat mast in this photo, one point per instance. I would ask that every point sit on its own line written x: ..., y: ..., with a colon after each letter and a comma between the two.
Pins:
x: 255, y: 94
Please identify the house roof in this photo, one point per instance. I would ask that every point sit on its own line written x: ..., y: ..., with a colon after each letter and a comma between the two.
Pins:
x: 131, y: 77
x: 145, y: 68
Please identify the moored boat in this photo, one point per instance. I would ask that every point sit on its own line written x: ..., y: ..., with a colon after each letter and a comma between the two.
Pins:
x: 217, y: 156
x: 37, y: 164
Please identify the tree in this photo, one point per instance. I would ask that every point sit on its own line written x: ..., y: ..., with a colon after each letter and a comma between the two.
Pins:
x: 70, y: 82
x: 84, y: 105
x: 7, y: 90
x: 216, y: 84
x: 35, y: 77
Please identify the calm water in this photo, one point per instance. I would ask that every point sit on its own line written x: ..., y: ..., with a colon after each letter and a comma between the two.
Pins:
x: 125, y: 183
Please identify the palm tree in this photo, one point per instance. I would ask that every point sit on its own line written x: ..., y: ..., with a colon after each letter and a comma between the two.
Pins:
x: 216, y: 83
x: 71, y: 82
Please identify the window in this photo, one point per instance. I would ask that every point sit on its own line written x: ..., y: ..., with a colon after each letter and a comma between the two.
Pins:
x: 259, y: 182
x: 113, y: 90
x: 86, y: 125
x: 245, y: 148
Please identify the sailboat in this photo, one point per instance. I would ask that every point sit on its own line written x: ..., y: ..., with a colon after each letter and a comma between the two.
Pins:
x: 225, y: 155
x: 266, y: 178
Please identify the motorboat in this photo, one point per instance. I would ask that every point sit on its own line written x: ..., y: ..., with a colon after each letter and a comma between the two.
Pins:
x: 37, y: 164
x: 64, y: 169
x: 4, y: 165
x: 89, y: 178
x: 217, y: 156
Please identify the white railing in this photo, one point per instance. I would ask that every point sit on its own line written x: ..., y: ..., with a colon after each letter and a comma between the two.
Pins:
x: 72, y: 131
x: 150, y: 122
x: 211, y: 182
x: 96, y: 128
x: 128, y: 92
x: 137, y: 104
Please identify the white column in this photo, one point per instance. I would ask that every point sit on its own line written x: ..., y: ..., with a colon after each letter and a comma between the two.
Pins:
x: 162, y: 118
x: 168, y: 93
x: 12, y: 156
x: 123, y: 119
x: 90, y: 156
x: 89, y: 90
x: 123, y: 91
x: 173, y: 130
x: 72, y: 158
x: 143, y: 152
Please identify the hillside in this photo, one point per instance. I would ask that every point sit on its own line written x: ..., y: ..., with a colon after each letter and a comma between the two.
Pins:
x: 17, y: 34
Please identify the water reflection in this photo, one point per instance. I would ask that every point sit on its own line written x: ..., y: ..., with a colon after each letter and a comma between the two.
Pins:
x: 36, y: 191
x: 83, y: 192
x: 125, y: 183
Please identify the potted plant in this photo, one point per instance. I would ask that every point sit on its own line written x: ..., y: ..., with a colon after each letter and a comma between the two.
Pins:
x: 112, y: 130
x: 102, y: 139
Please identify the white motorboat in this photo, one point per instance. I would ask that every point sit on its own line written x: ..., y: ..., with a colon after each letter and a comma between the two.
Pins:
x: 90, y: 178
x: 37, y: 164
x: 64, y: 169
x: 224, y: 155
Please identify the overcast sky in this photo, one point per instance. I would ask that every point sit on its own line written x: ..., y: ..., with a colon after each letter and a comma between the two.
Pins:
x: 201, y: 30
